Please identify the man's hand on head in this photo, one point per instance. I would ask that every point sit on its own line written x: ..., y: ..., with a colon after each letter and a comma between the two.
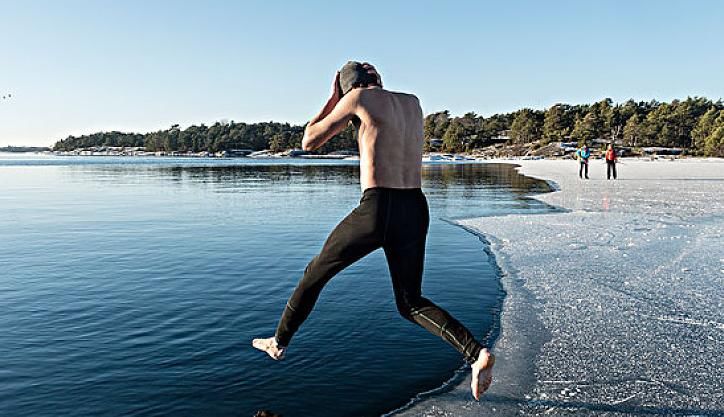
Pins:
x: 336, y: 89
x: 371, y: 70
x: 332, y: 119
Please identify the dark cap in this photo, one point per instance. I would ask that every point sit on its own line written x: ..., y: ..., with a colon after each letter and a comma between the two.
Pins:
x: 352, y: 75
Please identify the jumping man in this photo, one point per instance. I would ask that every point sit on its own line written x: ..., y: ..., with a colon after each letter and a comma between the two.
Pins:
x: 392, y: 213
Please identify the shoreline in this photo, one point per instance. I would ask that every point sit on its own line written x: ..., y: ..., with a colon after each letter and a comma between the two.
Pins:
x: 532, y: 338
x: 458, y: 384
x: 450, y: 157
x: 453, y: 397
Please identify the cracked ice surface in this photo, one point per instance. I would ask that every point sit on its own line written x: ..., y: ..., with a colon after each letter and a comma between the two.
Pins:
x: 615, y: 307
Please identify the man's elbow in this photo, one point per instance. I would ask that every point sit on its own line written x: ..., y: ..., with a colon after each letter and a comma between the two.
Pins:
x: 308, y: 144
x: 311, y: 140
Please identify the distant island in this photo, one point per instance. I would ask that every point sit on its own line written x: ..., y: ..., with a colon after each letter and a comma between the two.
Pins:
x: 694, y: 126
x: 24, y: 149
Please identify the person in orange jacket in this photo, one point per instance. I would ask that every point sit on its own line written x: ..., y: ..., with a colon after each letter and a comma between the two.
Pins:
x: 611, y: 161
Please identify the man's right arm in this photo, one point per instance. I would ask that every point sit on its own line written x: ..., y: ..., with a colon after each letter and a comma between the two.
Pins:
x: 323, y: 127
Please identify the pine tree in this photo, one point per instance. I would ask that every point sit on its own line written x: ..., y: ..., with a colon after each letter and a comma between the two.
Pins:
x: 632, y: 131
x: 585, y: 129
x: 704, y: 128
x: 714, y: 143
x: 554, y: 125
x: 524, y: 128
x: 452, y: 139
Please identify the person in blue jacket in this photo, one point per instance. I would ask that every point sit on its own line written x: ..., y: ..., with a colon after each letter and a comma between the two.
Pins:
x: 583, y: 154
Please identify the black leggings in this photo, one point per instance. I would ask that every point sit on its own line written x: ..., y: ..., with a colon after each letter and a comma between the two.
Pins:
x: 610, y: 167
x: 584, y: 167
x: 397, y: 221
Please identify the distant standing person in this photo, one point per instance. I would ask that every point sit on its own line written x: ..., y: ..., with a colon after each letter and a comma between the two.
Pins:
x: 583, y: 154
x: 392, y: 214
x: 610, y: 161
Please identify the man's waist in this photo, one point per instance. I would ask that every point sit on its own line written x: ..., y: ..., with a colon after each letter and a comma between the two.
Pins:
x: 393, y: 190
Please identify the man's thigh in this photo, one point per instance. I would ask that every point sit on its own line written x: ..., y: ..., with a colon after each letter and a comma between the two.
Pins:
x: 354, y: 237
x: 406, y: 266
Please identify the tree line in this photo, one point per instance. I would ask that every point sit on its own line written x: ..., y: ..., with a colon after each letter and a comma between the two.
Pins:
x: 695, y: 124
x: 218, y: 137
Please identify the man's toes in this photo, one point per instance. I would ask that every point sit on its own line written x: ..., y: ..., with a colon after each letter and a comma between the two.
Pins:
x: 261, y: 344
x: 486, y: 384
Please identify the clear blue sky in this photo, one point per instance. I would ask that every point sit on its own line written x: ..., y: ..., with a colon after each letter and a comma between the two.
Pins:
x: 76, y: 67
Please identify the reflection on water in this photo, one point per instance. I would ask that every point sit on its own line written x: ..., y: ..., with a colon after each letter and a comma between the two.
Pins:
x: 442, y: 174
x: 465, y: 186
x: 135, y: 289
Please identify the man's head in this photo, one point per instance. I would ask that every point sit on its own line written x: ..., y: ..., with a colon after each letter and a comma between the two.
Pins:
x: 354, y: 75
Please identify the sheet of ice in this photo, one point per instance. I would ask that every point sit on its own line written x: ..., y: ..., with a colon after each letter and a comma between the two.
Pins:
x: 615, y: 307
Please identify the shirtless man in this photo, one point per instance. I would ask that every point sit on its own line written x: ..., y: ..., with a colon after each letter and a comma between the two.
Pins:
x: 392, y: 214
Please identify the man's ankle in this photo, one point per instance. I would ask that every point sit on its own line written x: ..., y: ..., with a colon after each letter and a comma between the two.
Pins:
x: 277, y: 344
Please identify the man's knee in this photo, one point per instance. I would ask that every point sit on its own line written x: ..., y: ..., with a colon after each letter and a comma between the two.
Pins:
x: 408, y: 307
x: 405, y: 310
x: 313, y: 276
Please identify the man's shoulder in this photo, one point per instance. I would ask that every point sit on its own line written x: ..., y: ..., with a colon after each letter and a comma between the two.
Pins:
x: 375, y: 100
x: 382, y: 91
x: 401, y: 94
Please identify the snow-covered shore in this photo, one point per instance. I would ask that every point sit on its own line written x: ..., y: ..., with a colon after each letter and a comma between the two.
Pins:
x: 614, y: 307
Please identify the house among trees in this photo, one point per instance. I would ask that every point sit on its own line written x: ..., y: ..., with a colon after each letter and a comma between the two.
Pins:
x: 502, y: 137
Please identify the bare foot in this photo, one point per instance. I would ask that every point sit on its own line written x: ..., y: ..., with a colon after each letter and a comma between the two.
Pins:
x: 482, y: 373
x: 270, y: 347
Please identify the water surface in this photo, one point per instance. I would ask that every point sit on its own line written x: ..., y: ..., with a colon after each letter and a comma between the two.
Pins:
x: 133, y: 286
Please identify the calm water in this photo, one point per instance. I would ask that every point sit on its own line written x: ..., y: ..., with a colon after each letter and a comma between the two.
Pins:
x: 133, y: 286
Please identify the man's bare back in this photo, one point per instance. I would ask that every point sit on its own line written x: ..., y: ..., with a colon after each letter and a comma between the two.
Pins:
x: 390, y: 134
x: 390, y: 139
